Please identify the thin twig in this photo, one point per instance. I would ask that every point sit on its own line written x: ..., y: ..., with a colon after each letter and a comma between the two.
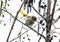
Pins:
x: 36, y: 11
x: 53, y: 10
x: 56, y: 20
x: 41, y: 33
x: 14, y: 22
x: 21, y: 34
x: 18, y: 36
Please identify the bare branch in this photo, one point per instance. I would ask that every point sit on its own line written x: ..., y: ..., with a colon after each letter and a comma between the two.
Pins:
x: 37, y: 11
x: 41, y: 33
x: 20, y: 35
x: 55, y: 20
x: 48, y: 29
x: 55, y: 1
x: 14, y: 22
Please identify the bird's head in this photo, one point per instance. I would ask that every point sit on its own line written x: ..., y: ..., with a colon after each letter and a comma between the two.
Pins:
x: 34, y: 18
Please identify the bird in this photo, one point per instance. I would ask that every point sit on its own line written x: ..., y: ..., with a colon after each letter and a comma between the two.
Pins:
x: 30, y: 20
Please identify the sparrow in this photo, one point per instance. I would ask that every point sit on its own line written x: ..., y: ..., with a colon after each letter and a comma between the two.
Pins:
x: 30, y: 20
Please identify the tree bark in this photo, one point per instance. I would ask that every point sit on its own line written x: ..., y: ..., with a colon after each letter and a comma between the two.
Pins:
x: 49, y: 20
x: 48, y: 29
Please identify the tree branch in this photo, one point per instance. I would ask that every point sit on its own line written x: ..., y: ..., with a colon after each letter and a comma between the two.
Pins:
x: 36, y: 11
x: 41, y: 33
x: 14, y: 22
